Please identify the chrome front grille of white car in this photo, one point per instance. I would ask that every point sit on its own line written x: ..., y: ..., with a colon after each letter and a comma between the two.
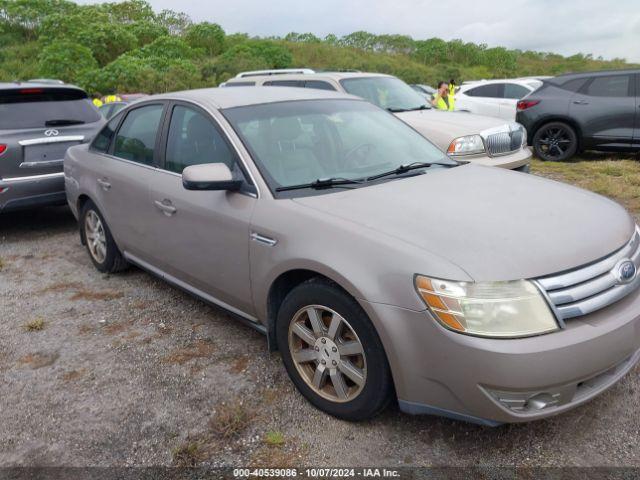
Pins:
x: 595, y: 286
x: 504, y: 141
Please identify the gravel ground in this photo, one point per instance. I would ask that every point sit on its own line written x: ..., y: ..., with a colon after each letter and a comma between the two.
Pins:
x: 118, y: 370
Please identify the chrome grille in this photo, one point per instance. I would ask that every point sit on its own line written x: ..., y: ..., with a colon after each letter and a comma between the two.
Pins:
x: 595, y: 286
x: 501, y: 143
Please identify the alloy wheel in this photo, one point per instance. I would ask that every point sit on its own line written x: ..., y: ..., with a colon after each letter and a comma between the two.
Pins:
x: 554, y: 142
x: 327, y: 353
x: 95, y: 236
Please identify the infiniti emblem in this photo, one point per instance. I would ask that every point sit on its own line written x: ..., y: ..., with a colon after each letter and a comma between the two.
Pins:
x: 51, y: 132
x: 625, y: 271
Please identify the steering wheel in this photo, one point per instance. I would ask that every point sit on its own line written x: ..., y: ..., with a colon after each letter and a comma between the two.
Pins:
x: 362, y: 150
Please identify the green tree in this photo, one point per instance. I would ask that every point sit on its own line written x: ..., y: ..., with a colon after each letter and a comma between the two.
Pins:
x: 206, y: 36
x: 66, y: 61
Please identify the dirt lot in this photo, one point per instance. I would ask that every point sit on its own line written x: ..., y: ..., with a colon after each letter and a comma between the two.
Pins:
x: 125, y: 370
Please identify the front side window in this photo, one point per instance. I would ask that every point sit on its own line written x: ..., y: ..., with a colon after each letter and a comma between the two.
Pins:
x: 136, y: 138
x: 610, y: 86
x: 194, y: 140
x: 299, y: 142
x: 319, y: 84
x: 514, y: 91
x: 284, y: 83
x: 386, y: 92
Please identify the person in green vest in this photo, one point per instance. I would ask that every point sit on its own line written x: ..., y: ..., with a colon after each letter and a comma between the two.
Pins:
x: 443, y: 98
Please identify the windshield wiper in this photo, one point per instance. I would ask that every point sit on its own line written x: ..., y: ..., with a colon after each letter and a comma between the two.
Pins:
x: 399, y: 170
x: 400, y: 110
x: 321, y: 183
x: 62, y: 121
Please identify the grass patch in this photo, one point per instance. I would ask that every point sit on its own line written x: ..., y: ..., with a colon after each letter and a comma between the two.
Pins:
x: 35, y: 325
x: 230, y: 420
x: 274, y: 439
x: 199, y: 349
x: 609, y: 176
x: 93, y: 296
x: 187, y: 455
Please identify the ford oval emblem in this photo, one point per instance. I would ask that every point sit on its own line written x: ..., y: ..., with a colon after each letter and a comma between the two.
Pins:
x: 626, y: 271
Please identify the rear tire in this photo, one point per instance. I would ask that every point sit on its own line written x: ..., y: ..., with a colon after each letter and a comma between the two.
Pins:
x: 555, y: 142
x: 97, y: 237
x: 332, y: 352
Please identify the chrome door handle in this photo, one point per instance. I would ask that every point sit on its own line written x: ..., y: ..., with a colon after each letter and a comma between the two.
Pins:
x: 165, y: 207
x: 580, y: 102
x: 105, y: 185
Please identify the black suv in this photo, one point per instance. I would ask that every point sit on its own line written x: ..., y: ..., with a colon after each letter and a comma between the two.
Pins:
x: 583, y: 111
x: 38, y: 122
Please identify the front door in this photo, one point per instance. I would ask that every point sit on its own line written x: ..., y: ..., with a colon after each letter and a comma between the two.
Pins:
x: 201, y: 238
x: 605, y: 108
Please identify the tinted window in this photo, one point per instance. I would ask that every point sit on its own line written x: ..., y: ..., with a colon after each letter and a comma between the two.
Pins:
x: 493, y: 90
x: 193, y: 140
x: 318, y: 84
x: 574, y: 85
x: 386, y: 92
x: 137, y: 135
x: 40, y: 108
x: 511, y: 90
x: 103, y: 138
x: 611, y: 86
x: 284, y: 83
x: 240, y: 84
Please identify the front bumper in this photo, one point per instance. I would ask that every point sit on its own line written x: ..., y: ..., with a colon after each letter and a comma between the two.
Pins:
x: 516, y: 160
x: 32, y: 191
x: 491, y: 381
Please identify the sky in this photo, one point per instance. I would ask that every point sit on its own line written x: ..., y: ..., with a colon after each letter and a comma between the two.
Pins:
x: 607, y: 29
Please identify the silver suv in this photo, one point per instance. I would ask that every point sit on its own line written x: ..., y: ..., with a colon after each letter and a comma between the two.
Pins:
x: 379, y: 267
x: 38, y: 122
x: 465, y: 136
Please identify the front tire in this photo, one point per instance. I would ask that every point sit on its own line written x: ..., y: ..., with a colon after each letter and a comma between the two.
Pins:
x: 97, y: 237
x: 332, y: 352
x: 555, y: 142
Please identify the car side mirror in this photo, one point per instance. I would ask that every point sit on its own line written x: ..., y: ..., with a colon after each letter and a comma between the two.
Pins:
x: 209, y: 176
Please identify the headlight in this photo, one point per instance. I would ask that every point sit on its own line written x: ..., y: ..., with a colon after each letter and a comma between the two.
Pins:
x: 488, y: 309
x: 467, y: 145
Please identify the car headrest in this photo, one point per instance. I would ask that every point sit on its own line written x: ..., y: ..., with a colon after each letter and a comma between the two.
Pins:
x: 286, y: 129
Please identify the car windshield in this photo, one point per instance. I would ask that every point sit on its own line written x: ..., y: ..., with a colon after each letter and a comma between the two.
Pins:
x: 387, y: 92
x: 300, y: 142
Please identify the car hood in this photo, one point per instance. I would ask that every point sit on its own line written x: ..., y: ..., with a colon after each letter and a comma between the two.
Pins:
x: 442, y: 127
x: 492, y: 223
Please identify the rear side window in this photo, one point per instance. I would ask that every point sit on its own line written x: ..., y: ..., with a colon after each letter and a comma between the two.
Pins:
x: 574, y: 85
x: 493, y: 90
x: 512, y: 90
x: 103, y: 138
x: 42, y: 107
x: 194, y: 140
x: 609, y: 86
x: 284, y: 83
x: 136, y: 138
x: 319, y: 84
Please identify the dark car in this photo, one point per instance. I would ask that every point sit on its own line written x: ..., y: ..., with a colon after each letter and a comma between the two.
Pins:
x: 108, y: 110
x: 583, y: 111
x: 38, y: 122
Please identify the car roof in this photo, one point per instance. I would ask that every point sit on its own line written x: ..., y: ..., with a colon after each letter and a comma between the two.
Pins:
x: 51, y: 86
x: 337, y: 76
x: 220, y: 98
x: 596, y: 73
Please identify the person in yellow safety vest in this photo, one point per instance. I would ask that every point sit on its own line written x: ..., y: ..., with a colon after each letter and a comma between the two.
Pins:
x: 97, y: 102
x: 452, y: 88
x: 442, y: 100
x: 112, y: 98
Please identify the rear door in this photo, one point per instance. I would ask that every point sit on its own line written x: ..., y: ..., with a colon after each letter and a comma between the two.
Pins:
x: 123, y: 174
x: 605, y: 108
x: 37, y: 125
